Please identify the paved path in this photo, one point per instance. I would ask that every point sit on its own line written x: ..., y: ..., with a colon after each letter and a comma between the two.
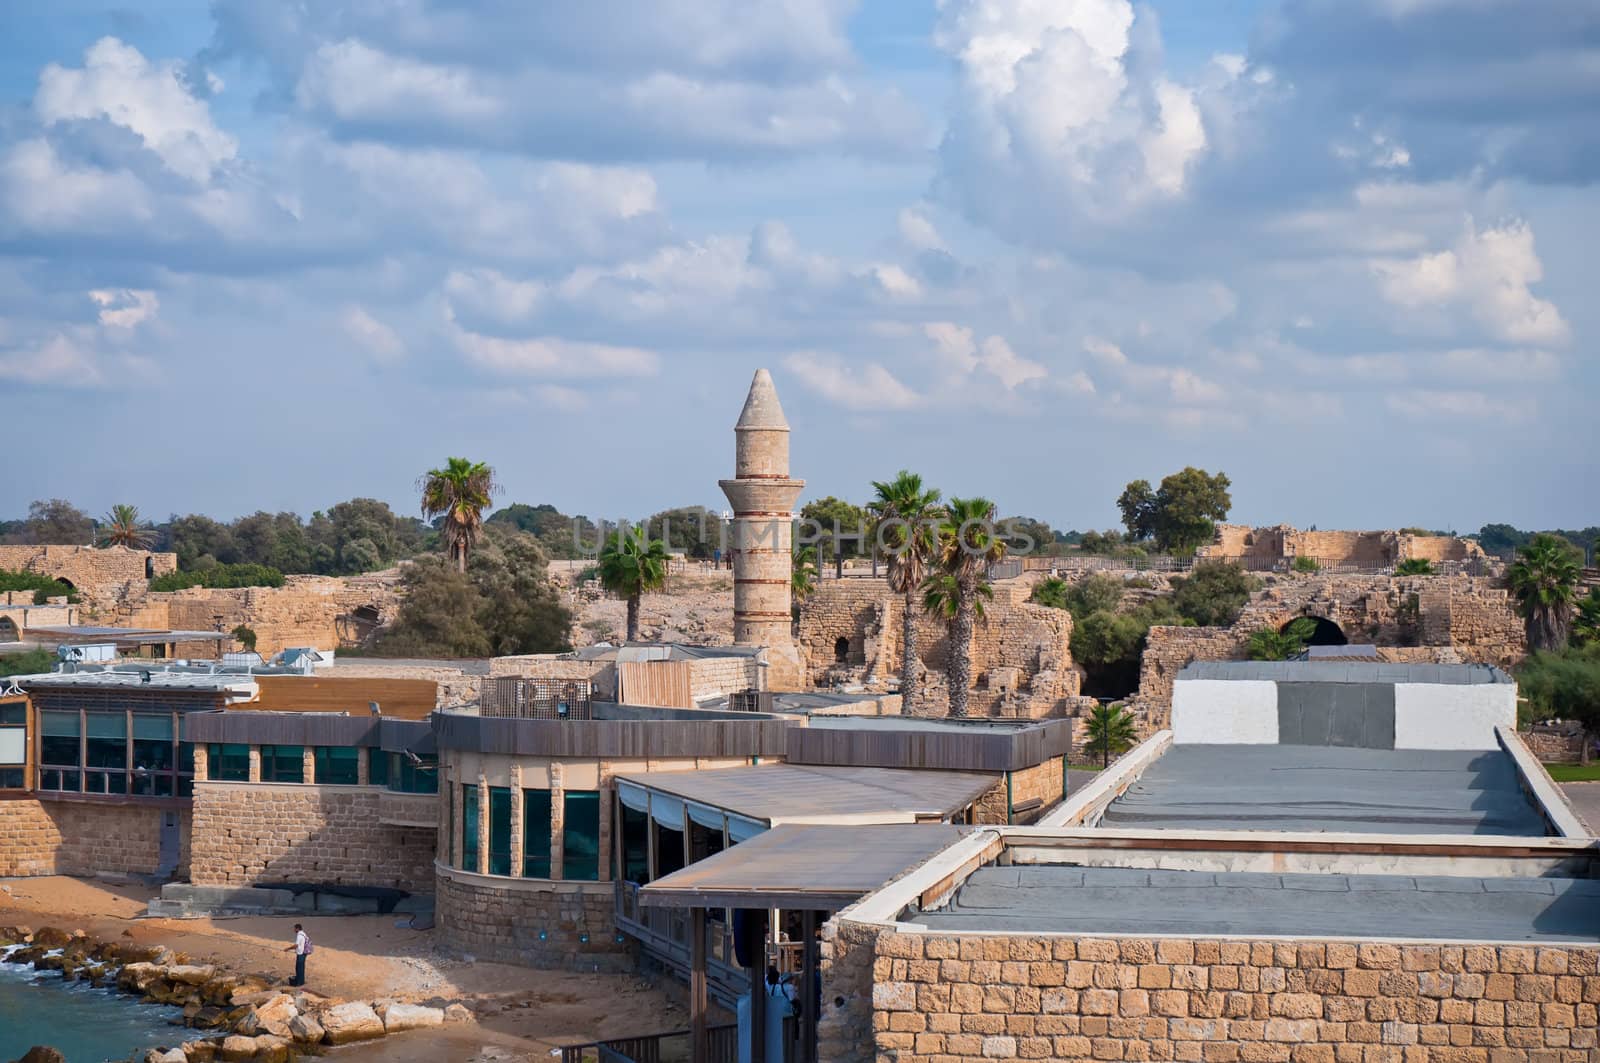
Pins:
x: 1585, y: 800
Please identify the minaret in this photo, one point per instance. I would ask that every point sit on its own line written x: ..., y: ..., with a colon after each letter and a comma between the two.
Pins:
x: 763, y: 496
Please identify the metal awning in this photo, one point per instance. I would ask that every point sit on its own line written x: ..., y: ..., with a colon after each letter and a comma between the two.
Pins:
x: 819, y: 868
x: 780, y: 794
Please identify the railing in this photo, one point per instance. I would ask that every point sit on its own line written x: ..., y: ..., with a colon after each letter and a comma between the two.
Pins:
x: 663, y: 934
x: 722, y: 1045
x: 536, y: 699
x: 1475, y: 566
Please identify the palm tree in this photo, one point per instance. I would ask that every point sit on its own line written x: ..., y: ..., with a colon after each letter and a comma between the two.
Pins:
x: 459, y: 492
x: 904, y: 516
x: 1544, y: 581
x: 968, y: 544
x: 1110, y: 730
x: 631, y: 565
x: 803, y: 573
x: 124, y: 528
x: 1586, y: 624
x: 1270, y: 644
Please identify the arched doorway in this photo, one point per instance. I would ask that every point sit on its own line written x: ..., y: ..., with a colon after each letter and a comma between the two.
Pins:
x: 841, y: 650
x: 8, y: 630
x: 1326, y: 633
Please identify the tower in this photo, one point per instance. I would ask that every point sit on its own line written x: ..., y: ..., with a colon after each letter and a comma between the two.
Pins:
x: 763, y: 496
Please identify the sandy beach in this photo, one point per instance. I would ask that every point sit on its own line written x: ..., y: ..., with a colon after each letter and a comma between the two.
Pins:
x: 522, y: 1013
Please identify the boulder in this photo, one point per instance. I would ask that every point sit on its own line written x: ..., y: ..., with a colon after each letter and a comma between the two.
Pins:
x: 399, y: 1017
x: 138, y: 977
x: 168, y: 1055
x: 51, y: 937
x: 191, y: 974
x: 236, y: 1047
x: 272, y: 1049
x: 457, y: 1013
x: 353, y: 1021
x: 42, y: 1054
x: 306, y: 1030
x: 200, y: 1051
x: 273, y: 1016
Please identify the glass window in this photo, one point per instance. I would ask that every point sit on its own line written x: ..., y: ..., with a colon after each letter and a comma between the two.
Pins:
x: 536, y: 834
x: 469, y: 827
x: 66, y: 781
x: 420, y: 776
x: 186, y: 758
x: 11, y: 778
x: 152, y: 744
x: 59, y: 739
x: 13, y: 745
x: 229, y: 762
x: 669, y: 851
x: 378, y: 767
x: 499, y: 830
x: 580, y: 835
x: 283, y: 764
x: 107, y: 744
x: 338, y: 765
x: 635, y: 845
x: 13, y: 712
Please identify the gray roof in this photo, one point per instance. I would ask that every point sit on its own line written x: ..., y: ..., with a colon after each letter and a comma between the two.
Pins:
x: 1345, y: 672
x: 1328, y: 788
x: 143, y: 636
x: 797, y: 793
x: 135, y: 680
x: 802, y: 867
x: 923, y: 724
x: 1117, y: 901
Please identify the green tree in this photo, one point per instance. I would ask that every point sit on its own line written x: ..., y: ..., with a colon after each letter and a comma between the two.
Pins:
x: 1051, y: 592
x: 200, y: 542
x: 1586, y: 620
x: 1213, y: 593
x: 905, y: 518
x: 1306, y: 564
x: 1270, y: 644
x: 1181, y: 515
x: 246, y: 636
x: 124, y: 528
x: 1414, y: 566
x: 31, y: 662
x: 968, y: 543
x: 1028, y: 536
x: 690, y: 529
x: 56, y: 522
x: 1096, y: 592
x: 439, y: 614
x: 1110, y: 731
x: 1565, y: 685
x: 631, y: 565
x: 459, y: 493
x: 839, y: 524
x: 521, y: 610
x: 1544, y: 582
x: 802, y: 572
x: 43, y: 587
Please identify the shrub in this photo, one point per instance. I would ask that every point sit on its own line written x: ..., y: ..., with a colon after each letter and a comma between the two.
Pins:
x: 1214, y: 593
x: 43, y: 587
x: 1051, y: 592
x: 1414, y: 566
x: 220, y: 576
x: 1306, y: 564
x: 246, y: 636
x: 30, y: 663
x: 1267, y: 644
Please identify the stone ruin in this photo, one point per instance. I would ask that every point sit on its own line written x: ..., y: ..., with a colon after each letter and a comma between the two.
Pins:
x: 1279, y: 545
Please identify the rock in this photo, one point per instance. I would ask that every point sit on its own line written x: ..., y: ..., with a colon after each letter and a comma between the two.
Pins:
x: 457, y: 1013
x: 272, y: 1049
x: 306, y: 1030
x: 51, y: 937
x: 191, y: 974
x: 138, y: 977
x: 353, y: 1021
x: 399, y: 1017
x: 170, y: 1055
x: 42, y: 1054
x: 274, y: 1015
x: 237, y: 1047
x: 200, y: 1051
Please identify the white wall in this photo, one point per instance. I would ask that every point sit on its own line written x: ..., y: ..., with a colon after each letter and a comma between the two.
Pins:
x: 1452, y: 716
x: 1231, y: 711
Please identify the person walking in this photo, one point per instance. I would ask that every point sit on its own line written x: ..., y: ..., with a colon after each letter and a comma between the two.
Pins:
x: 301, y: 949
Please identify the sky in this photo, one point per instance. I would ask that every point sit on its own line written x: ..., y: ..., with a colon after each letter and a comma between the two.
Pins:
x: 271, y: 256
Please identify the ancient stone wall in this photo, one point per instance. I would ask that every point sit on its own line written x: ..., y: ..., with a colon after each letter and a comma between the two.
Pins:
x: 82, y: 838
x: 711, y: 677
x: 1554, y: 747
x: 98, y: 574
x: 1358, y: 549
x: 951, y: 997
x: 1021, y: 653
x: 531, y: 922
x: 250, y: 833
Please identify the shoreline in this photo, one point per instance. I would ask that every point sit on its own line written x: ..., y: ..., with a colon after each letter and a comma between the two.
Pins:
x: 516, y: 1012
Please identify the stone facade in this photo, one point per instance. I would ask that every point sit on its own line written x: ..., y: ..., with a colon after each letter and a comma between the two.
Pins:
x: 951, y: 997
x: 1356, y: 549
x: 1021, y: 652
x: 532, y: 922
x: 98, y: 575
x: 1444, y: 619
x: 57, y: 837
x: 251, y: 833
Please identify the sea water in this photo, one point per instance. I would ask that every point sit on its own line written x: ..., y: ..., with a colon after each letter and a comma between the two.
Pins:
x: 86, y: 1024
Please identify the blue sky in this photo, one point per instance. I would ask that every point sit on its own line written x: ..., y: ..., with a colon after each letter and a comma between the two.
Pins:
x: 272, y: 256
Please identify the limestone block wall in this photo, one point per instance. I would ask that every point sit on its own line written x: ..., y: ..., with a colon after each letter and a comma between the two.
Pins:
x: 717, y: 676
x: 531, y: 922
x: 1057, y: 997
x: 1366, y: 549
x: 249, y: 833
x: 98, y: 574
x: 81, y: 838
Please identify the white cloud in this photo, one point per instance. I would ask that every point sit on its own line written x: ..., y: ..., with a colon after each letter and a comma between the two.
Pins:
x: 871, y: 387
x: 1489, y: 274
x: 551, y: 356
x: 490, y: 294
x: 125, y: 308
x: 918, y: 232
x: 118, y: 84
x: 953, y: 344
x: 378, y: 339
x: 562, y: 398
x: 356, y: 82
x: 57, y: 360
x: 895, y: 282
x: 1461, y: 406
x: 1006, y: 366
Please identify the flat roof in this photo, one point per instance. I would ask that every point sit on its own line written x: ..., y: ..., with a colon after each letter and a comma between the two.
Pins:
x: 797, y: 867
x: 1328, y: 788
x: 159, y: 679
x: 924, y: 725
x: 801, y: 793
x: 1125, y: 901
x: 1346, y: 671
x: 141, y: 635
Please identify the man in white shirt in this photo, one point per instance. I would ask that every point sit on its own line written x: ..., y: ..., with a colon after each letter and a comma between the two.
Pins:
x: 299, y: 948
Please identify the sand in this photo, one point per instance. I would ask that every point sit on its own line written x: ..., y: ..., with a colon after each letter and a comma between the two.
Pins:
x: 522, y: 1013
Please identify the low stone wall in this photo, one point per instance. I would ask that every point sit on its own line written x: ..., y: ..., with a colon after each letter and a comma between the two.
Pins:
x: 1043, y: 783
x: 1001, y: 997
x: 1552, y: 747
x: 249, y: 833
x: 83, y: 838
x: 531, y: 922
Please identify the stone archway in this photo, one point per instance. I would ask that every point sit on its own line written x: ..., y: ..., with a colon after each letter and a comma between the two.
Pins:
x: 1327, y: 633
x: 9, y: 632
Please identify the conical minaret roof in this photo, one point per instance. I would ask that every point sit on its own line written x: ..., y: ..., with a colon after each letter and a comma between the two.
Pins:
x: 761, y: 407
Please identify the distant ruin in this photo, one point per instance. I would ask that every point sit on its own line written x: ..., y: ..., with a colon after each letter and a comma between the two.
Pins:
x: 1334, y: 549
